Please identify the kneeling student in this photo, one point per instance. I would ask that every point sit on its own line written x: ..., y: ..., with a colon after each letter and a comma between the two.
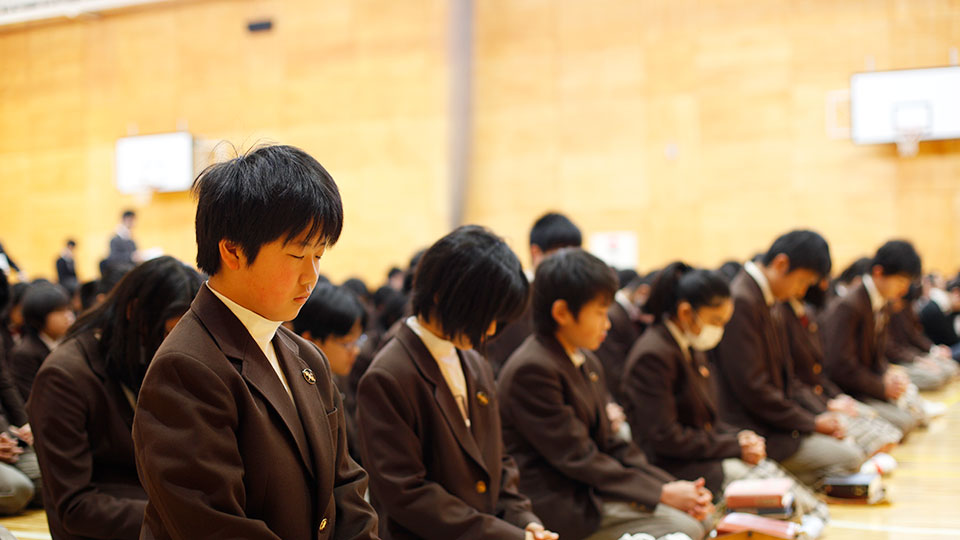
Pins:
x: 428, y: 414
x: 583, y: 480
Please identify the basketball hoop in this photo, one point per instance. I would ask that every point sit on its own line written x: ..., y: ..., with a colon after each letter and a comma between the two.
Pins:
x: 908, y: 141
x: 144, y: 195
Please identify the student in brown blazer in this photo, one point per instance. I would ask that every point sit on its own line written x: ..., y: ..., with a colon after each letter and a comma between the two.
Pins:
x: 239, y: 430
x: 428, y: 413
x: 584, y: 481
x: 551, y: 232
x: 854, y: 334
x: 755, y: 380
x: 670, y: 400
x: 624, y: 332
x: 47, y: 314
x: 84, y: 397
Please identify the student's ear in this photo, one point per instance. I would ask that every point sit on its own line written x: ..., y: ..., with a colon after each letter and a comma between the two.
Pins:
x: 230, y: 254
x: 685, y: 312
x: 536, y: 255
x: 876, y: 272
x: 781, y: 263
x: 306, y: 335
x: 560, y: 312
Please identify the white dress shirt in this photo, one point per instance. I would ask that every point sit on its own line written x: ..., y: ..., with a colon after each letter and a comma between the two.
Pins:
x: 445, y: 353
x: 757, y: 274
x: 261, y: 330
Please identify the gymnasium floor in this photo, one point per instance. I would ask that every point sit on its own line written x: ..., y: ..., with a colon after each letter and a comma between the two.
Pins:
x: 924, y: 490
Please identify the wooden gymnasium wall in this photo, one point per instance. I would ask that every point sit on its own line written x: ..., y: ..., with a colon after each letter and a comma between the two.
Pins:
x: 701, y: 125
x: 362, y: 85
x: 698, y: 125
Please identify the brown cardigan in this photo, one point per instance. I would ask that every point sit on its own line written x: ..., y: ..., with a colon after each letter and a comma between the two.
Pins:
x: 853, y: 348
x: 430, y: 475
x: 81, y: 421
x: 672, y: 410
x: 223, y: 451
x: 555, y: 426
x: 755, y: 372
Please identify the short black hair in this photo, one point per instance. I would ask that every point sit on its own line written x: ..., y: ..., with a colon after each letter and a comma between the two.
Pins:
x: 572, y: 275
x: 71, y: 243
x: 679, y: 282
x: 730, y: 269
x: 807, y: 250
x: 554, y: 231
x: 88, y: 294
x: 270, y: 193
x: 330, y: 311
x: 627, y: 278
x: 5, y: 295
x: 357, y: 287
x: 468, y: 280
x: 898, y: 257
x: 128, y: 214
x: 40, y: 300
x: 391, y: 305
x: 394, y: 270
x: 856, y: 269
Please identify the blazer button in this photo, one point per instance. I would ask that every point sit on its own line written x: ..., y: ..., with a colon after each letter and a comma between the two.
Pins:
x: 818, y: 389
x: 817, y: 368
x: 795, y: 434
x: 323, y: 524
x: 481, y: 487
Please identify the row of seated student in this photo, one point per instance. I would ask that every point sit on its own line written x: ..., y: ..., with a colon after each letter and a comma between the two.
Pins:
x: 723, y: 375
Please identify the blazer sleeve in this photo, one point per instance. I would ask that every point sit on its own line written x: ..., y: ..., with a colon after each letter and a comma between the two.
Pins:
x: 10, y: 398
x: 513, y: 506
x: 392, y: 453
x: 202, y: 496
x: 24, y: 363
x: 649, y: 386
x: 743, y: 368
x: 536, y: 405
x: 840, y: 341
x: 59, y: 416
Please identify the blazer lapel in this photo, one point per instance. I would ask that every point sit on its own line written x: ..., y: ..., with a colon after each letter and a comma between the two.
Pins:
x: 235, y: 341
x: 480, y: 400
x: 441, y: 392
x: 579, y: 385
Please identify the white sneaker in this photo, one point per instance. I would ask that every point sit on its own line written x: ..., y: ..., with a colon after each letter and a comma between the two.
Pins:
x: 933, y: 409
x: 882, y: 464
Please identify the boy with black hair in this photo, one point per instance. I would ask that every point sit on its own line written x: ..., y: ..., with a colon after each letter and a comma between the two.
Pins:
x: 428, y: 414
x: 47, y: 315
x: 855, y: 334
x: 551, y: 232
x: 755, y: 374
x: 239, y: 430
x: 584, y: 481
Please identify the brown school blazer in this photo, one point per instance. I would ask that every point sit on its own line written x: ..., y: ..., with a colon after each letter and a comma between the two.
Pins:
x: 813, y: 388
x: 25, y: 360
x: 613, y: 351
x: 852, y: 347
x: 431, y: 476
x: 81, y: 421
x: 672, y: 409
x: 754, y: 373
x: 905, y: 339
x: 222, y: 450
x: 555, y: 425
x: 509, y: 339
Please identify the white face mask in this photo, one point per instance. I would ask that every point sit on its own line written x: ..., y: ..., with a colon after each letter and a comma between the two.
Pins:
x: 708, y: 338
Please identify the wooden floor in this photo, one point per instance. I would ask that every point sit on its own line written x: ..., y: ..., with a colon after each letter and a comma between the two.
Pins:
x: 924, y: 491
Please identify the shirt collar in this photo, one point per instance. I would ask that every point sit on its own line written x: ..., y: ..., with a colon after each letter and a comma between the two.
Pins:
x: 877, y: 301
x: 123, y: 232
x: 48, y: 341
x: 798, y: 307
x: 757, y: 274
x: 261, y: 330
x: 438, y: 347
x: 677, y: 334
x: 578, y: 358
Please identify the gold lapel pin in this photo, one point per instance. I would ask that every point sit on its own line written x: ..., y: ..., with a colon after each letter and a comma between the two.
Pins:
x: 309, y: 376
x: 704, y: 372
x: 593, y: 376
x: 482, y: 398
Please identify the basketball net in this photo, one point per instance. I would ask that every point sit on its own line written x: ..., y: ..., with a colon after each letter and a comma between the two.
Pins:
x: 908, y: 141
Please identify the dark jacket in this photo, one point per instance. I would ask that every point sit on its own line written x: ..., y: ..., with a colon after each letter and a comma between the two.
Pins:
x: 431, y: 475
x: 621, y: 336
x: 25, y: 360
x: 755, y: 372
x: 555, y: 425
x: 813, y: 388
x: 853, y: 345
x: 939, y: 326
x: 81, y: 421
x: 671, y: 406
x: 223, y: 451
